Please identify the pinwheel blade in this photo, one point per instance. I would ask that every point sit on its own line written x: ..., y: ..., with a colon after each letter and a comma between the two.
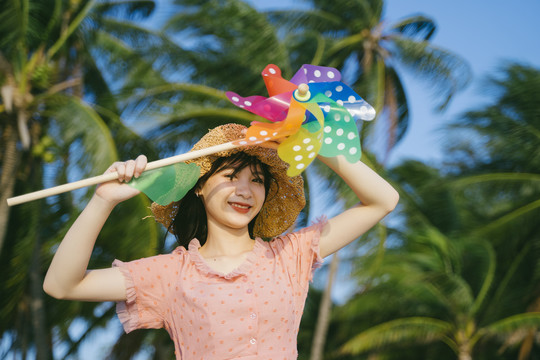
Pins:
x: 167, y: 184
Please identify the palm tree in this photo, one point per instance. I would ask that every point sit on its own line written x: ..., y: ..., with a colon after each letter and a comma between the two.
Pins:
x: 438, y: 283
x: 52, y: 56
x: 471, y: 244
x: 504, y: 175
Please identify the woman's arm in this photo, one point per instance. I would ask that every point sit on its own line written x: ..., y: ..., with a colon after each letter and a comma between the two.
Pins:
x: 377, y: 198
x: 68, y: 277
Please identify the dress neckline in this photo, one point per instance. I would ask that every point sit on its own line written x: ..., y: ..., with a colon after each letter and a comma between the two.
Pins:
x: 202, y: 265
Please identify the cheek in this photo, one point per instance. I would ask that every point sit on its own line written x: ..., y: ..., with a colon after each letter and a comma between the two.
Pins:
x: 261, y: 193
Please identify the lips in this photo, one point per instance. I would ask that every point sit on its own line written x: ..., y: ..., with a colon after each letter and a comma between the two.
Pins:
x: 240, y: 207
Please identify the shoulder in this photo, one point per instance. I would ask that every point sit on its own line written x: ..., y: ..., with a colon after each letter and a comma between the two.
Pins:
x: 150, y: 262
x: 314, y: 230
x: 302, y: 238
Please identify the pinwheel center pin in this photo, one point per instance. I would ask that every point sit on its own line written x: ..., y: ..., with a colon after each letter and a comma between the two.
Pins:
x: 302, y: 93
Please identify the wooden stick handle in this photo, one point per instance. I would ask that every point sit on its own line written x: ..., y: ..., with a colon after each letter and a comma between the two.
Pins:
x: 114, y: 175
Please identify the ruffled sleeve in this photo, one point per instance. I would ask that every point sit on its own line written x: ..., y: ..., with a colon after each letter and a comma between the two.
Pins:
x: 148, y: 291
x: 299, y: 252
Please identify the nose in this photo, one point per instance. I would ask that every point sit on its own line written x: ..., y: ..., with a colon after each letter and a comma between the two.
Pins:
x: 243, y: 188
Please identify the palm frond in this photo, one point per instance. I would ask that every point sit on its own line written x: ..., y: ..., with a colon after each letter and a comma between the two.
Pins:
x: 407, y: 330
x: 444, y: 70
x: 79, y: 122
x: 511, y: 324
x: 299, y: 20
x: 417, y: 27
x: 128, y: 9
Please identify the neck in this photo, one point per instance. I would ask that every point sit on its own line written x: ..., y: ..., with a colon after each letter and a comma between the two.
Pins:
x: 226, y: 241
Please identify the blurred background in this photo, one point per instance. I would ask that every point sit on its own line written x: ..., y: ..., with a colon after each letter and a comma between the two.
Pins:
x: 453, y: 273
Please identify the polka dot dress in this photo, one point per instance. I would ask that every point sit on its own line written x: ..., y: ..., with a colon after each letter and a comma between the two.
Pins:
x: 251, y: 313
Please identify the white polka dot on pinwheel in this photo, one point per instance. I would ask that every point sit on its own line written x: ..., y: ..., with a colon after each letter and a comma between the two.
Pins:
x: 339, y: 88
x: 317, y: 73
x: 328, y: 140
x: 351, y: 135
x: 341, y: 146
x: 330, y: 74
x: 297, y: 148
x: 339, y: 132
x: 235, y: 99
x: 272, y: 71
x: 247, y: 103
x: 353, y: 150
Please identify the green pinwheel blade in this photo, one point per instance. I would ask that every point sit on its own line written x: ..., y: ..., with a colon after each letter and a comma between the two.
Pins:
x: 167, y: 184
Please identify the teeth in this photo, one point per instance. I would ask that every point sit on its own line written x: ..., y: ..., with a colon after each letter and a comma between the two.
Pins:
x: 241, y: 206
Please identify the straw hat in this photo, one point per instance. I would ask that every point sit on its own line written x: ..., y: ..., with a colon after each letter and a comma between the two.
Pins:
x: 285, y: 198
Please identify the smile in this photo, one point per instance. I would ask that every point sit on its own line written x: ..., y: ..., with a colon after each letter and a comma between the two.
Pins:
x: 242, y: 208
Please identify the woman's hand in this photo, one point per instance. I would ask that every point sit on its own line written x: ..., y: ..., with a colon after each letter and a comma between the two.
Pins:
x: 117, y: 191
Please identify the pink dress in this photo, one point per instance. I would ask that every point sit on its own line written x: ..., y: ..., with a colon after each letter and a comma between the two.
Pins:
x: 250, y: 313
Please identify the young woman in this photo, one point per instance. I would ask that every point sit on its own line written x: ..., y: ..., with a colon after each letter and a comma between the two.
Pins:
x: 224, y: 293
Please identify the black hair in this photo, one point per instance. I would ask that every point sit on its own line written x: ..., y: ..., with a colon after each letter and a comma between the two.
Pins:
x: 190, y: 221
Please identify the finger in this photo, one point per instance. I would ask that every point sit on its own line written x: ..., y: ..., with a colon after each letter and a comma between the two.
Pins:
x: 130, y: 169
x: 140, y: 165
x: 112, y: 168
x: 121, y: 170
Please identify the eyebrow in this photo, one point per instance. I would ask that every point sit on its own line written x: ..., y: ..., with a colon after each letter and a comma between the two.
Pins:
x: 256, y: 170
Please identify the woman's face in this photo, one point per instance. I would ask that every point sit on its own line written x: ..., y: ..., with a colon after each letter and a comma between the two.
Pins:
x: 233, y: 200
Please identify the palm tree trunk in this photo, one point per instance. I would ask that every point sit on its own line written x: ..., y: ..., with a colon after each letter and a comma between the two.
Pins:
x: 10, y: 159
x: 464, y: 352
x: 323, y: 320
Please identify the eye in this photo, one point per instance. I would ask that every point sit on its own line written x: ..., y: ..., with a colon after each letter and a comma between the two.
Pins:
x: 258, y: 180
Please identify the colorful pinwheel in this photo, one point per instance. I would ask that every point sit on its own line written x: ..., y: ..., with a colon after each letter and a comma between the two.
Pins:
x: 321, y: 119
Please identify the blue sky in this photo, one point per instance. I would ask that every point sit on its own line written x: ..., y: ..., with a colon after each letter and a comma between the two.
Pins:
x: 485, y: 33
